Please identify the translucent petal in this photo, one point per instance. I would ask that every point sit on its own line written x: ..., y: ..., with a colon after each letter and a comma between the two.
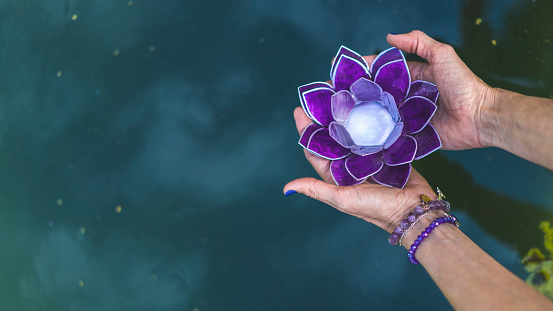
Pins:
x: 307, y: 132
x: 315, y: 100
x: 340, y: 174
x: 340, y: 134
x: 416, y: 113
x: 393, y: 176
x: 385, y: 57
x: 401, y: 152
x: 424, y: 89
x: 390, y: 104
x: 341, y: 105
x: 348, y: 67
x: 322, y: 145
x: 362, y: 167
x: 366, y: 90
x: 366, y: 150
x: 394, y: 78
x: 428, y: 141
x: 396, y: 132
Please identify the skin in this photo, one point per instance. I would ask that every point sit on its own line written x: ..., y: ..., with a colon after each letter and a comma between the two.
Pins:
x: 471, y: 114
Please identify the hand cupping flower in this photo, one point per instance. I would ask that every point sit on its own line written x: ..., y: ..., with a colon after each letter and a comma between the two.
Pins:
x: 371, y: 122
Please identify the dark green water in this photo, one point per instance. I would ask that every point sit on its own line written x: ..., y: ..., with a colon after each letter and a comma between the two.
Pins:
x: 180, y: 112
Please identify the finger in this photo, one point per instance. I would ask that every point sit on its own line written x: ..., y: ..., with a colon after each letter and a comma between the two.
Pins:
x: 369, y: 59
x: 316, y: 189
x: 419, y: 43
x: 302, y: 120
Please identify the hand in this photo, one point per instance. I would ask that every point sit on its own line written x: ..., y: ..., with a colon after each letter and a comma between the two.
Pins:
x: 381, y: 205
x: 463, y: 96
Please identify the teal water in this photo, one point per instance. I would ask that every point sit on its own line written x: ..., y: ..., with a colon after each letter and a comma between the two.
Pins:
x: 144, y: 146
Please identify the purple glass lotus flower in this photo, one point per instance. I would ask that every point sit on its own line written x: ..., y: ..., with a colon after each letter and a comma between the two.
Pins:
x: 373, y: 122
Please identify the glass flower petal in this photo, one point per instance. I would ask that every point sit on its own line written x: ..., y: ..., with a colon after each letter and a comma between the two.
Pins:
x: 401, y: 152
x: 393, y: 176
x: 348, y: 67
x: 324, y: 146
x: 385, y: 57
x: 428, y: 141
x: 341, y: 105
x: 424, y: 89
x: 390, y: 104
x: 315, y: 100
x: 362, y: 167
x: 340, y: 174
x: 340, y: 134
x: 396, y: 132
x: 307, y: 132
x: 366, y: 90
x: 394, y: 78
x: 416, y: 113
x: 365, y: 150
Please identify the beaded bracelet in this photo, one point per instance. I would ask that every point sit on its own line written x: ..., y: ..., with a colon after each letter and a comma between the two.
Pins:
x: 441, y: 220
x: 420, y: 211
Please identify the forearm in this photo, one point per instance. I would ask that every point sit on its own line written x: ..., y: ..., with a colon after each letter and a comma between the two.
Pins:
x: 522, y: 125
x: 468, y: 277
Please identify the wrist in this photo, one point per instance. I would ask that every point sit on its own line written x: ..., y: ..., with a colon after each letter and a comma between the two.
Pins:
x: 410, y: 236
x: 492, y: 123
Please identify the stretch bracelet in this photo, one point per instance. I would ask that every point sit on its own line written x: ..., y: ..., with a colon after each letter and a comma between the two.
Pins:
x: 450, y: 219
x: 420, y: 211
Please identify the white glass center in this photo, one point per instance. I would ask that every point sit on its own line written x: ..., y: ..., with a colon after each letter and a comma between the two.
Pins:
x: 369, y: 124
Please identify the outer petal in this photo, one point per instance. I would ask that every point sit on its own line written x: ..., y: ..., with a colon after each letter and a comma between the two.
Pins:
x: 428, y: 141
x: 393, y: 176
x: 396, y: 132
x: 340, y: 174
x: 390, y: 104
x: 322, y: 145
x: 348, y: 67
x: 416, y: 113
x: 342, y: 104
x: 366, y: 150
x: 307, y: 132
x: 394, y: 78
x: 315, y: 100
x: 424, y: 89
x: 401, y: 152
x: 385, y: 57
x: 341, y: 135
x: 362, y: 167
x: 366, y: 90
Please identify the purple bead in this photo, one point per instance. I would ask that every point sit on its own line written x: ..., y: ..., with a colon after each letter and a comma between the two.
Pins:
x: 404, y: 224
x: 411, y: 218
x: 393, y: 239
x: 418, y: 211
x: 434, y: 205
x: 398, y: 230
x: 425, y: 234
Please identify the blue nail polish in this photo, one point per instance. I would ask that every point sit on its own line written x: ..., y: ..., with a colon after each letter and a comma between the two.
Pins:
x: 290, y: 192
x: 393, y: 33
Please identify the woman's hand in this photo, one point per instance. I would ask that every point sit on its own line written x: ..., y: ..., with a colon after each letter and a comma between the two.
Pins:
x: 381, y: 205
x: 463, y: 96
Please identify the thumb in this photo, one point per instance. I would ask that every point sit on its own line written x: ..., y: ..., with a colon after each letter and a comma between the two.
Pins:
x: 419, y: 43
x: 315, y: 189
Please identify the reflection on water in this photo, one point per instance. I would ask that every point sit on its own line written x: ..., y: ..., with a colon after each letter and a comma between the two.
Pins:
x: 144, y: 147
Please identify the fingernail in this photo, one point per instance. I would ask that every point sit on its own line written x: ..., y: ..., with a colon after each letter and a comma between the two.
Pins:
x: 290, y: 192
x: 393, y: 33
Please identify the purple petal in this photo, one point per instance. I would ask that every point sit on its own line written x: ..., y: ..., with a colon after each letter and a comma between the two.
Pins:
x: 366, y: 150
x: 366, y: 90
x: 341, y: 135
x: 394, y: 78
x: 340, y: 174
x: 315, y: 100
x: 428, y: 141
x: 393, y: 176
x: 322, y: 145
x: 416, y: 113
x: 424, y: 89
x: 396, y: 132
x: 348, y: 67
x: 390, y: 104
x: 341, y: 105
x: 362, y: 167
x: 385, y: 57
x: 401, y: 152
x: 307, y: 132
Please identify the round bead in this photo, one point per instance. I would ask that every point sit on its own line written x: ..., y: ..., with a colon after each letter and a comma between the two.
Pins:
x: 425, y: 234
x: 411, y: 218
x: 404, y: 224
x: 398, y: 230
x: 418, y: 211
